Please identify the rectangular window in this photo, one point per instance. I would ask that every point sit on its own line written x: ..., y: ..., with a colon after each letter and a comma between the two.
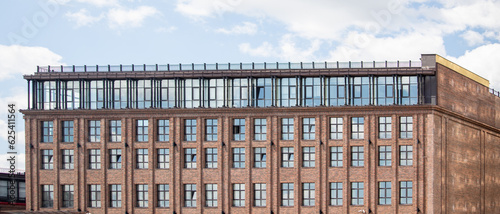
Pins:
x: 22, y: 191
x: 260, y: 129
x: 47, y: 159
x: 405, y: 155
x: 119, y: 94
x: 308, y: 194
x: 192, y: 93
x: 385, y: 90
x: 259, y: 157
x: 287, y: 195
x: 357, y: 193
x: 287, y: 92
x: 336, y: 194
x: 385, y: 127
x: 405, y: 192
x: 115, y: 158
x: 115, y: 195
x: 168, y: 93
x: 211, y: 195
x: 308, y: 156
x: 287, y: 129
x: 94, y: 159
x: 214, y: 93
x: 360, y: 88
x: 263, y: 96
x: 163, y: 130
x: 115, y: 130
x: 47, y: 131
x: 311, y: 89
x: 239, y: 129
x: 357, y: 156
x: 211, y: 129
x: 47, y: 195
x: 259, y: 196
x: 163, y: 158
x: 287, y: 157
x: 384, y: 193
x: 408, y: 90
x: 67, y: 131
x: 163, y: 195
x: 211, y: 158
x: 337, y: 91
x: 68, y: 194
x: 4, y: 188
x: 94, y: 195
x: 240, y: 93
x: 190, y: 158
x: 190, y: 130
x: 142, y: 158
x: 384, y: 155
x: 308, y: 128
x: 336, y: 128
x: 142, y: 195
x: 94, y: 131
x: 406, y: 127
x: 67, y: 159
x: 336, y: 156
x: 190, y: 195
x: 142, y: 130
x: 238, y: 157
x: 238, y: 195
x: 357, y: 128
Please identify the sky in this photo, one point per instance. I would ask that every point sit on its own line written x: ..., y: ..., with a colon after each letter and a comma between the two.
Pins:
x: 102, y: 32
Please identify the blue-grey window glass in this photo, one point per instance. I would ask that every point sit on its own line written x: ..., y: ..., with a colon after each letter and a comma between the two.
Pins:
x: 211, y: 195
x: 408, y: 90
x: 260, y: 157
x: 287, y: 157
x: 385, y: 90
x: 260, y: 129
x: 163, y: 157
x: 406, y: 127
x: 144, y: 94
x: 190, y: 195
x: 168, y: 90
x: 94, y: 159
x: 68, y: 159
x: 50, y: 95
x: 357, y: 128
x: 214, y: 93
x: 360, y: 89
x: 240, y: 93
x: 238, y: 195
x: 47, y: 195
x: 308, y: 128
x: 115, y: 158
x: 67, y: 131
x: 68, y: 194
x: 190, y: 158
x: 336, y: 128
x: 385, y: 127
x: 405, y: 192
x: 308, y: 194
x: 357, y: 156
x: 190, y: 130
x: 263, y: 94
x: 163, y: 195
x: 94, y: 195
x: 120, y: 94
x: 211, y: 158
x: 287, y: 92
x: 259, y: 195
x: 142, y: 130
x: 142, y: 195
x: 211, y: 129
x: 239, y: 129
x: 192, y: 93
x: 96, y: 94
x: 47, y: 131
x: 115, y: 195
x: 163, y: 130
x: 336, y: 156
x: 287, y: 128
x: 72, y: 95
x: 238, y: 157
x: 311, y: 91
x: 308, y: 156
x: 336, y: 194
x: 384, y: 155
x: 47, y: 159
x: 142, y: 158
x: 287, y: 194
x: 115, y: 130
x: 94, y: 130
x: 357, y: 193
x: 384, y: 193
x: 337, y: 91
x: 405, y: 155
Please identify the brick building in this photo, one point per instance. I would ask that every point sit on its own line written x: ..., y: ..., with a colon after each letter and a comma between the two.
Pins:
x: 379, y: 137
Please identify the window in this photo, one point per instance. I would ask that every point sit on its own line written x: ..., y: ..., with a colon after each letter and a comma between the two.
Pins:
x: 94, y: 159
x: 67, y: 159
x: 311, y: 87
x: 190, y: 130
x: 308, y: 128
x: 144, y: 95
x: 308, y: 194
x: 163, y: 158
x: 214, y: 93
x: 142, y: 130
x: 405, y: 155
x: 357, y: 156
x: 190, y: 158
x: 68, y: 195
x: 47, y: 195
x: 22, y: 191
x: 96, y: 94
x: 336, y: 194
x: 357, y: 193
x: 405, y: 192
x: 287, y: 195
x: 142, y: 158
x: 115, y: 195
x: 384, y: 193
x: 385, y: 127
x: 358, y: 128
x: 238, y: 157
x: 287, y: 157
x: 115, y: 130
x: 211, y: 158
x: 260, y: 129
x: 336, y: 156
x: 238, y: 195
x: 47, y: 131
x: 406, y: 127
x: 115, y: 158
x: 336, y: 128
x: 263, y: 92
x: 94, y: 195
x: 192, y: 93
x: 163, y: 130
x: 4, y: 188
x: 240, y: 92
x: 384, y: 156
x: 211, y: 195
x: 259, y: 196
x: 49, y: 94
x: 67, y: 131
x: 94, y: 131
x: 163, y: 195
x: 308, y: 156
x: 167, y: 93
x: 211, y: 129
x: 190, y: 195
x: 120, y: 94
x: 336, y: 91
x: 259, y: 157
x: 360, y: 88
x: 287, y: 129
x: 47, y: 159
x: 287, y: 92
x: 142, y: 195
x: 239, y: 129
x: 385, y: 90
x: 408, y: 90
x: 72, y: 95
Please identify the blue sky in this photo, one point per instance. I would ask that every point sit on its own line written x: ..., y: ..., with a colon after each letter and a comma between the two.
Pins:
x: 102, y: 32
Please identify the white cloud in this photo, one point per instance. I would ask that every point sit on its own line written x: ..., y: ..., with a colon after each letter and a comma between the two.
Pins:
x: 82, y: 18
x: 121, y: 17
x: 244, y: 28
x: 473, y: 38
x: 166, y: 29
x: 100, y: 3
x: 287, y: 50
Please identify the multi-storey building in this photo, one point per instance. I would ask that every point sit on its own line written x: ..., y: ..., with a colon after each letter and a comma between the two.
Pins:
x: 372, y: 137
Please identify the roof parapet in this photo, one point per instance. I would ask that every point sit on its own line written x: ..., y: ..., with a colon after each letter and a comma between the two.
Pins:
x: 430, y: 61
